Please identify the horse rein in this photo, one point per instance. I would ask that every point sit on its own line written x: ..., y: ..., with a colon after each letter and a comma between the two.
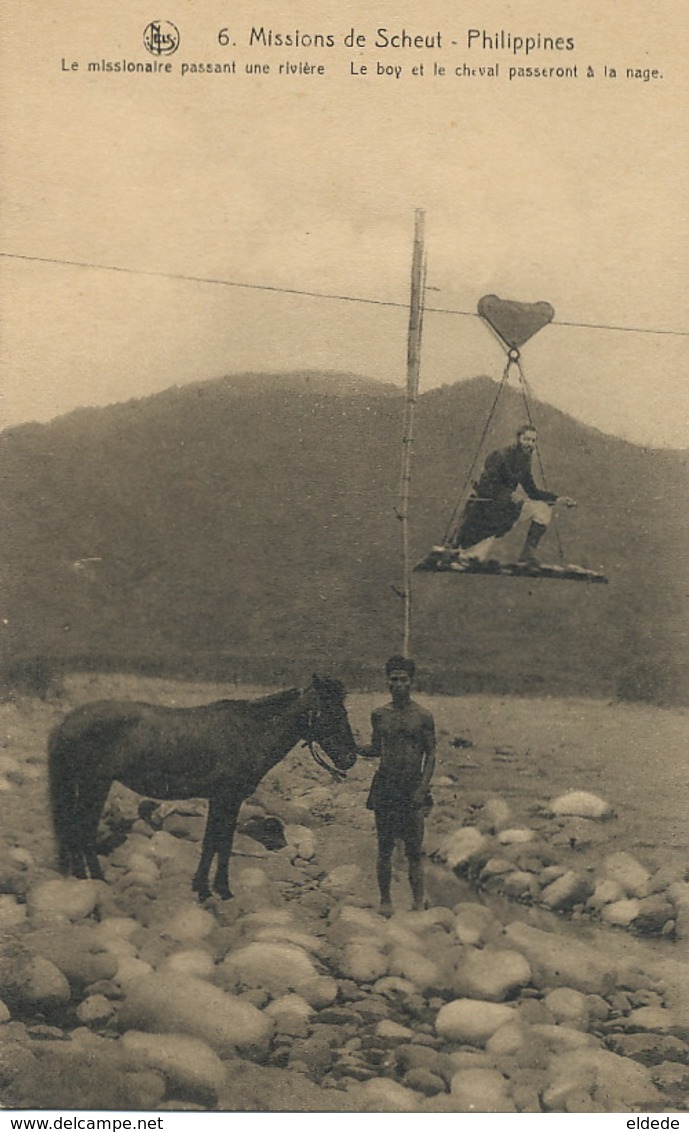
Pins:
x: 338, y: 775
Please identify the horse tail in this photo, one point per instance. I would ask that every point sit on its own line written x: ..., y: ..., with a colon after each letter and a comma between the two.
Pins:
x: 63, y: 796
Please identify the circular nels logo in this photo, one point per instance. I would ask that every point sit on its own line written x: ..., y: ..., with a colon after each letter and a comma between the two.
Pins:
x: 161, y: 37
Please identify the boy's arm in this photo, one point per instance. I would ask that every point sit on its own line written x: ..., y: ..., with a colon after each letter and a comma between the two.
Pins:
x: 375, y: 749
x: 428, y: 763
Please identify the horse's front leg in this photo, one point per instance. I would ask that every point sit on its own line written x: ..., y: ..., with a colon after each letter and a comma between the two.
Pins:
x: 200, y: 883
x: 227, y: 826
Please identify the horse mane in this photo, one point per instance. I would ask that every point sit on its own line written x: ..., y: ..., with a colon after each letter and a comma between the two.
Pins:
x: 265, y: 706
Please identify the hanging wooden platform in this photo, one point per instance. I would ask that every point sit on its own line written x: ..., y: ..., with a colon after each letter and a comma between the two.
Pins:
x: 436, y: 562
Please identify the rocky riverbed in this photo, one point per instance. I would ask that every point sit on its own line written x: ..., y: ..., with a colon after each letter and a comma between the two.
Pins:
x: 548, y: 974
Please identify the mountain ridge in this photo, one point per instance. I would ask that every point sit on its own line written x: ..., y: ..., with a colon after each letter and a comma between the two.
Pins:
x: 212, y: 521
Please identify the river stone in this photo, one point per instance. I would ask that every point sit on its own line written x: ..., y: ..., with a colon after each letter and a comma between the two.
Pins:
x: 415, y: 1056
x: 193, y: 1069
x: 471, y: 1020
x: 475, y: 924
x: 606, y: 891
x: 516, y: 836
x: 164, y: 1004
x: 186, y: 924
x: 393, y: 1031
x: 679, y: 894
x: 77, y: 950
x: 129, y: 969
x: 495, y: 814
x: 650, y: 1048
x: 141, y: 869
x: 654, y: 913
x: 392, y: 986
x: 509, y: 1040
x: 303, y: 839
x: 628, y: 872
x: 492, y: 974
x: 192, y: 961
x: 348, y: 920
x: 461, y: 846
x: 615, y: 1084
x: 419, y: 969
x: 32, y: 982
x: 12, y: 914
x: 145, y: 1089
x: 342, y: 879
x: 70, y: 898
x: 620, y: 914
x: 290, y: 933
x: 481, y: 1090
x: 647, y: 1018
x: 570, y: 889
x: 563, y: 1037
x: 278, y: 967
x: 560, y: 961
x: 579, y: 803
x: 5, y: 1016
x: 424, y: 1081
x: 520, y: 884
x: 363, y: 961
x: 569, y: 1006
x: 438, y: 915
x: 319, y: 992
x: 95, y: 1010
x: 289, y: 1005
x: 380, y: 1094
x: 497, y: 867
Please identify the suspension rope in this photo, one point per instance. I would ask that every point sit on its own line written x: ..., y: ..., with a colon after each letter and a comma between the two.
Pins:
x: 526, y: 394
x: 454, y: 518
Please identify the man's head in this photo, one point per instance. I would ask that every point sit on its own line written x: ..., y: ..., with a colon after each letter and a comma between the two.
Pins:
x: 400, y: 671
x: 527, y: 437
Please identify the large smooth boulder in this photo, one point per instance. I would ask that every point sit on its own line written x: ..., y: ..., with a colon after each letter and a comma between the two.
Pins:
x: 194, y: 1071
x: 481, y: 1090
x: 276, y: 967
x: 614, y: 1084
x: 471, y: 1021
x: 581, y: 804
x: 490, y: 973
x: 475, y: 924
x: 173, y: 1003
x: 64, y: 898
x: 560, y: 961
x: 461, y: 847
x: 629, y: 873
x: 571, y: 888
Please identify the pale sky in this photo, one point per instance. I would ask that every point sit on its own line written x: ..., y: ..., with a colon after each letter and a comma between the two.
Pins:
x: 572, y: 191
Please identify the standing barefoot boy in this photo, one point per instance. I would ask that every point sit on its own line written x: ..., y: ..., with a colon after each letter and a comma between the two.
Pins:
x: 404, y: 740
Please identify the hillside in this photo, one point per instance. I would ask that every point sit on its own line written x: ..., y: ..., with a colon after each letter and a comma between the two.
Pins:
x: 246, y: 527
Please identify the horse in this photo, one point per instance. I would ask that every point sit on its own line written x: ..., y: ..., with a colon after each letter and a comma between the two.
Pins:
x: 220, y: 751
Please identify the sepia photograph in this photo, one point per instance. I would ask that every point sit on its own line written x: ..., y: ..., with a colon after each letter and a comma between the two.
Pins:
x: 344, y: 447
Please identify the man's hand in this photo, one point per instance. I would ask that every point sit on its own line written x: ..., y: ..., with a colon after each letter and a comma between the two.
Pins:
x: 567, y: 501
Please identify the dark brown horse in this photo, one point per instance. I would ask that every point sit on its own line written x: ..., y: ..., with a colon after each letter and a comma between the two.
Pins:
x: 220, y: 751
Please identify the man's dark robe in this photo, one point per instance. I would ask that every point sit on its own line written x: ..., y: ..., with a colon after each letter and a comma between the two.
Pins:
x: 494, y: 512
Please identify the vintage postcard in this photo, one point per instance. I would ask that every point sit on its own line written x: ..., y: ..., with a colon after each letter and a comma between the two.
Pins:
x: 344, y: 454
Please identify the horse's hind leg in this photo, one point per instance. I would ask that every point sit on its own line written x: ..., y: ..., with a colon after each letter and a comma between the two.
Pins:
x: 200, y: 883
x: 88, y: 814
x: 227, y: 825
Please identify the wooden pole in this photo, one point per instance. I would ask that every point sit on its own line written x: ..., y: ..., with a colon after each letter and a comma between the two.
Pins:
x: 416, y: 303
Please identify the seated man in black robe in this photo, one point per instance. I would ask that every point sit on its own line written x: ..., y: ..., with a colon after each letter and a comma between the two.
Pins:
x: 493, y: 509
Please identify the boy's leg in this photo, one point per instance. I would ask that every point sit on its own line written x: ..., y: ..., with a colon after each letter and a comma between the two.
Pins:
x: 413, y: 841
x: 386, y: 844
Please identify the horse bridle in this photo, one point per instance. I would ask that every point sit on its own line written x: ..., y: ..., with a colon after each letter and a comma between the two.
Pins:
x: 337, y: 774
